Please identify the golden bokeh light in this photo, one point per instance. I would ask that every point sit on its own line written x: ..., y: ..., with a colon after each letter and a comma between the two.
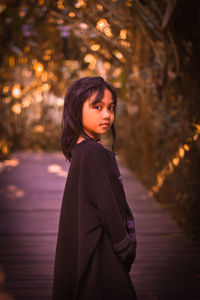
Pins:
x: 71, y: 14
x: 118, y: 54
x: 181, y: 152
x: 60, y: 5
x: 40, y: 2
x: 176, y: 161
x: 128, y: 3
x: 16, y: 91
x: 117, y: 72
x: 117, y: 84
x: 26, y: 102
x: 6, y: 89
x: 83, y: 26
x: 2, y: 8
x: 80, y: 3
x: 99, y: 7
x: 22, y: 59
x: 4, y: 148
x: 16, y: 108
x: 167, y: 170
x: 38, y: 128
x: 195, y: 137
x: 186, y: 147
x: 197, y: 126
x: 123, y: 34
x: 95, y: 47
x: 46, y: 57
x: 6, y: 100
x: 13, y: 162
x: 11, y: 61
x: 103, y: 26
x: 27, y: 48
x: 106, y: 65
x: 38, y: 68
x: 48, y: 51
x: 108, y: 32
x: 46, y: 87
x: 38, y: 96
x: 89, y: 58
x: 44, y: 76
x: 125, y: 44
x: 60, y: 102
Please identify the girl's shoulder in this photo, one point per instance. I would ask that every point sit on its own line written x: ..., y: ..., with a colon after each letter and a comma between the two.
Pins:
x: 91, y: 147
x: 91, y: 150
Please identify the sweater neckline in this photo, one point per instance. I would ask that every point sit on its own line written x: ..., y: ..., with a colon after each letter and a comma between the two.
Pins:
x: 85, y: 140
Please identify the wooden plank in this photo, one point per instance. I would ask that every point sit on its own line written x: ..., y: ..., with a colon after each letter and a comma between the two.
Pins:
x: 167, y: 264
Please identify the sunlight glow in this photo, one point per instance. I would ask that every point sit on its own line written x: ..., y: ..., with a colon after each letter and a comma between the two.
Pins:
x: 57, y: 170
x: 12, y: 192
x: 13, y: 162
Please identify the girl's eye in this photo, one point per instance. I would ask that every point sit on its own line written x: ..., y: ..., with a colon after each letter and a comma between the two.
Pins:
x: 97, y: 107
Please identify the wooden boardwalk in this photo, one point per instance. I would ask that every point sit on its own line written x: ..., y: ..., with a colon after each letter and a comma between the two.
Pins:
x: 167, y: 266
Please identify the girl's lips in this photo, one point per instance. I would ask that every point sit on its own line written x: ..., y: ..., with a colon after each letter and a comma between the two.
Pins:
x: 105, y: 125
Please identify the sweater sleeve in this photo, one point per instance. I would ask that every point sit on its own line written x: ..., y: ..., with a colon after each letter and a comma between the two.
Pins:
x: 98, y: 186
x: 115, y: 226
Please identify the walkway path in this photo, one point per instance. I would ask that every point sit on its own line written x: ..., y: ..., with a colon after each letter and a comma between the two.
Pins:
x: 167, y: 266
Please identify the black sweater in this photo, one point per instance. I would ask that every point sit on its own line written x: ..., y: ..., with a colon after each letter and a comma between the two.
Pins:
x: 96, y: 241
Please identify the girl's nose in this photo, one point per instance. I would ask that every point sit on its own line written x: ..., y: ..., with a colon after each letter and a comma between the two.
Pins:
x: 105, y: 114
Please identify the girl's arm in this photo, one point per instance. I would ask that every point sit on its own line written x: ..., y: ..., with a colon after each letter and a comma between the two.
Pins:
x: 99, y: 188
x: 115, y: 227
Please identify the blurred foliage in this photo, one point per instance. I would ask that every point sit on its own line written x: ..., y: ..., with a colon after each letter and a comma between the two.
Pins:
x: 149, y: 53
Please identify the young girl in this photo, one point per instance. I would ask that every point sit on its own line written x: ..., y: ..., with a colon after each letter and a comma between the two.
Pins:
x: 96, y: 243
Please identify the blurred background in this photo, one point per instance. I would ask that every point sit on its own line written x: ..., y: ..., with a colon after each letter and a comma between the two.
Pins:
x: 149, y: 50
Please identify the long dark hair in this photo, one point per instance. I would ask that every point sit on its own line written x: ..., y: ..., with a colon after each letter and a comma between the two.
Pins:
x: 77, y: 93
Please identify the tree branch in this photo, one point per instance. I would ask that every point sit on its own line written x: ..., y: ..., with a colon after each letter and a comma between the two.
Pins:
x: 168, y: 13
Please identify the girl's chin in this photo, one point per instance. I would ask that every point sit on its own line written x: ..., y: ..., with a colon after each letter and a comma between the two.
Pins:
x: 97, y: 134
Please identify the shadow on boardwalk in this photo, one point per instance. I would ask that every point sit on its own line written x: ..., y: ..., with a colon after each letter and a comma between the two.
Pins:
x: 31, y: 186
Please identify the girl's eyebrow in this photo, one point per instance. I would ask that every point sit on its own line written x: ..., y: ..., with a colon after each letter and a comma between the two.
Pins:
x: 97, y: 102
x: 103, y: 102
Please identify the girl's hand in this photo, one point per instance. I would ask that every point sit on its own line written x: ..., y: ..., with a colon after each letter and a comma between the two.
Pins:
x: 129, y: 261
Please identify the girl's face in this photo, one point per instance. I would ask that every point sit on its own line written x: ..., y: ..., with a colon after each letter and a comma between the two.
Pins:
x: 98, y: 118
